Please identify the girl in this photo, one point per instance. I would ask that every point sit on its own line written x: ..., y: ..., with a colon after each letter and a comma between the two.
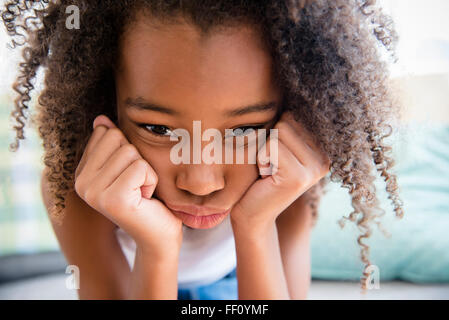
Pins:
x: 121, y: 81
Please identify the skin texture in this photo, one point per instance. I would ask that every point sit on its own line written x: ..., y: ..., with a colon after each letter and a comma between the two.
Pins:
x: 325, y: 59
x: 201, y: 79
x: 109, y: 159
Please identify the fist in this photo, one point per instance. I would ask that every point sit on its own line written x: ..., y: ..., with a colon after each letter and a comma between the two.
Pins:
x: 114, y: 179
x: 297, y: 166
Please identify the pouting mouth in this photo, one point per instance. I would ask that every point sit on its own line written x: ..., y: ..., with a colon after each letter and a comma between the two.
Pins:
x: 201, y: 215
x: 195, y: 210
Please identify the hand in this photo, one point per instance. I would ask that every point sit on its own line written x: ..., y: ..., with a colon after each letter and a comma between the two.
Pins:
x: 114, y: 179
x: 299, y: 165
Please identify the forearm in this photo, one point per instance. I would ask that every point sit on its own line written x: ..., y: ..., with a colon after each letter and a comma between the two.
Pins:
x: 296, y: 261
x: 294, y: 227
x: 260, y: 272
x: 154, y: 278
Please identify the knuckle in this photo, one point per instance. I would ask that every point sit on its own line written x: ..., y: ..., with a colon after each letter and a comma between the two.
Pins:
x: 328, y: 164
x: 79, y: 167
x: 296, y: 184
x: 325, y: 170
x: 77, y: 172
x: 102, y: 202
x: 78, y: 186
x: 129, y: 150
x: 154, y: 177
x: 282, y: 127
x: 318, y: 173
x: 315, y: 172
x: 293, y: 182
x: 116, y: 133
x: 296, y: 180
x: 304, y: 178
x: 140, y: 164
x: 88, y: 196
x: 325, y: 167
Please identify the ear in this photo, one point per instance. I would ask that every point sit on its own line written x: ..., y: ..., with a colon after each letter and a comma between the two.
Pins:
x: 103, y: 120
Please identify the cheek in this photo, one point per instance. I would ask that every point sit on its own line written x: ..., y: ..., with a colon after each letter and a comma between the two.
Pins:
x: 160, y: 162
x: 239, y: 177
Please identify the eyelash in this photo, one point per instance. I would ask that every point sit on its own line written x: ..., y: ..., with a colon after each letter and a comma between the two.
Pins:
x: 145, y: 125
x: 254, y: 127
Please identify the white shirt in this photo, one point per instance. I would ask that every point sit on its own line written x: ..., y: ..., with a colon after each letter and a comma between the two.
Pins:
x: 206, y: 255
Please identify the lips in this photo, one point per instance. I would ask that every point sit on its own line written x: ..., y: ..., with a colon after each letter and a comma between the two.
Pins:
x: 199, y: 217
x: 195, y: 210
x: 200, y: 221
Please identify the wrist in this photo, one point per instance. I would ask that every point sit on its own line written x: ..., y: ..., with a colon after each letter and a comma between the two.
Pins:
x: 159, y: 252
x: 154, y: 276
x: 149, y: 255
x: 248, y: 230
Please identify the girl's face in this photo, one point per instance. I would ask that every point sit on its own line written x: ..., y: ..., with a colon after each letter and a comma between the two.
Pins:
x: 169, y: 77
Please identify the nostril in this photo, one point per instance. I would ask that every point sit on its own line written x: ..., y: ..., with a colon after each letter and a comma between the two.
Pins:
x: 201, y: 192
x: 200, y: 187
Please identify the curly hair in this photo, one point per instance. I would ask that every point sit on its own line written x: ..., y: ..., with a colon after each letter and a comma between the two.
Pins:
x: 326, y: 55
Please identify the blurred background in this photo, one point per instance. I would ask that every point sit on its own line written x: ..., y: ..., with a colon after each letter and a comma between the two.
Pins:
x: 413, y: 263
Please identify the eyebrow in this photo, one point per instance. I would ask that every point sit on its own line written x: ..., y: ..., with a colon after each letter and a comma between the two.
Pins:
x: 141, y: 104
x: 260, y: 107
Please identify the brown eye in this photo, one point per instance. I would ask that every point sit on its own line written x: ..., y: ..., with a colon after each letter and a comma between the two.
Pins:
x: 158, y: 130
x: 243, y: 131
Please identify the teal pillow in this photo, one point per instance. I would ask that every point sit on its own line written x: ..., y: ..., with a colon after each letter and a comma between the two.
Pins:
x: 418, y: 249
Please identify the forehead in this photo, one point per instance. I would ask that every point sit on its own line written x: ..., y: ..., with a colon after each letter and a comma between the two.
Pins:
x: 175, y: 60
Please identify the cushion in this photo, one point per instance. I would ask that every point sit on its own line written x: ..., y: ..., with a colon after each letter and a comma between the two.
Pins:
x: 418, y: 249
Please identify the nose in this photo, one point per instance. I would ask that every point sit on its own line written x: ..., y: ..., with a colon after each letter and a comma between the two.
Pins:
x: 201, y: 179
